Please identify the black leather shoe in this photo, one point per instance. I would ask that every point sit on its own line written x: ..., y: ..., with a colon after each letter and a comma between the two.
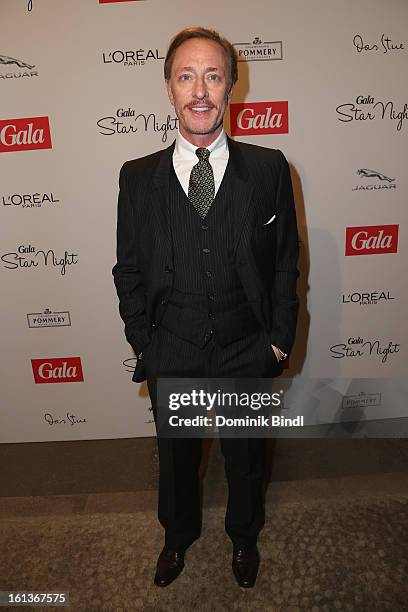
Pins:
x: 245, y: 564
x: 169, y: 565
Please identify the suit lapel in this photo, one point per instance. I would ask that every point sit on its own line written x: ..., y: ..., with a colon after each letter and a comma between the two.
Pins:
x: 159, y: 193
x: 242, y: 189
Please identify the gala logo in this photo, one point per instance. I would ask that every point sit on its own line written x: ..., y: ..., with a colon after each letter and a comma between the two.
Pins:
x: 24, y: 134
x: 371, y: 239
x: 259, y: 118
x: 57, y: 370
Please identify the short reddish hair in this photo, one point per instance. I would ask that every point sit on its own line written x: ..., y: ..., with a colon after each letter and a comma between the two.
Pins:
x: 198, y: 32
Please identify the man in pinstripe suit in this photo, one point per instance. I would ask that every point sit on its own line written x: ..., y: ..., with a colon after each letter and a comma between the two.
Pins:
x: 206, y: 272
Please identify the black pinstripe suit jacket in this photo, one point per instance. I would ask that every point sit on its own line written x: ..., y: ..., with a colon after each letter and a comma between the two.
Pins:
x: 265, y: 242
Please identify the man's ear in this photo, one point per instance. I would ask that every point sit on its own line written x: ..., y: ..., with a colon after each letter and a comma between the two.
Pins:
x: 169, y: 92
x: 229, y: 94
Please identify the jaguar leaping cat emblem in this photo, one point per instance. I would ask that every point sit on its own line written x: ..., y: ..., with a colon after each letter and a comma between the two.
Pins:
x: 5, y: 59
x: 374, y: 174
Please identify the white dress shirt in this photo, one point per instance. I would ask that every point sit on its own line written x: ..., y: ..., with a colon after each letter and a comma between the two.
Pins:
x: 184, y: 158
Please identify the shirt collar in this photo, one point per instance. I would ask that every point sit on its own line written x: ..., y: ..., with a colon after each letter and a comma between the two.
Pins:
x: 185, y: 150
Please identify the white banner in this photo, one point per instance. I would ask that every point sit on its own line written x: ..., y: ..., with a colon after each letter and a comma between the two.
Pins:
x: 82, y: 91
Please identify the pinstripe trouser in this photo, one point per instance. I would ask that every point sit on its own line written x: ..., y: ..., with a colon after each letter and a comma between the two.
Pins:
x: 179, y: 507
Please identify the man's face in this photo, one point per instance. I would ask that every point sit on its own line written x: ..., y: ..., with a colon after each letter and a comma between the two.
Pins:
x: 199, y: 89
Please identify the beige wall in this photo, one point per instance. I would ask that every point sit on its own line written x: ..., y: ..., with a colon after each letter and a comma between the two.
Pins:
x: 76, y: 80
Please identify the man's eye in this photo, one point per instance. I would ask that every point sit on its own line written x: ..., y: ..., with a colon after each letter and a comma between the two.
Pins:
x: 214, y: 77
x: 184, y: 77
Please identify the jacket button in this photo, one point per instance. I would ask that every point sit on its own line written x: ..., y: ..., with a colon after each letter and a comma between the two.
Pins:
x: 163, y: 301
x: 208, y: 273
x: 204, y: 227
x: 154, y: 324
x: 211, y: 315
x: 206, y: 251
x: 168, y: 269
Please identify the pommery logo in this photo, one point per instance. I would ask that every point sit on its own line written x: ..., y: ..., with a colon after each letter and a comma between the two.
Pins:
x: 47, y: 318
x: 362, y: 400
x: 372, y: 180
x: 259, y: 51
x: 15, y: 68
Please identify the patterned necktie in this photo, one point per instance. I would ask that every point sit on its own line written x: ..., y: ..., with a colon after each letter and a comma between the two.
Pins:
x: 201, y: 188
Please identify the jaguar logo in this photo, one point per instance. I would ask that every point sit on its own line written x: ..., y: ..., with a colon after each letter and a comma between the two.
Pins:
x: 374, y: 174
x: 5, y: 59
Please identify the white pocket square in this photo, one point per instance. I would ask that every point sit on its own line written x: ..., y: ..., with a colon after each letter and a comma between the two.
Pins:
x: 270, y: 220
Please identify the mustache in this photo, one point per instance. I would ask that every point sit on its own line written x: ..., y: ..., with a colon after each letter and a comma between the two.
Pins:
x: 200, y: 103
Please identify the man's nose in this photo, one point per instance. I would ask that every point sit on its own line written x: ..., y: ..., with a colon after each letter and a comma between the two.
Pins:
x: 200, y: 88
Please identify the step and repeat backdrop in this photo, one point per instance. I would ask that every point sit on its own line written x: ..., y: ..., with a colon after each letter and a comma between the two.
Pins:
x: 82, y: 91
